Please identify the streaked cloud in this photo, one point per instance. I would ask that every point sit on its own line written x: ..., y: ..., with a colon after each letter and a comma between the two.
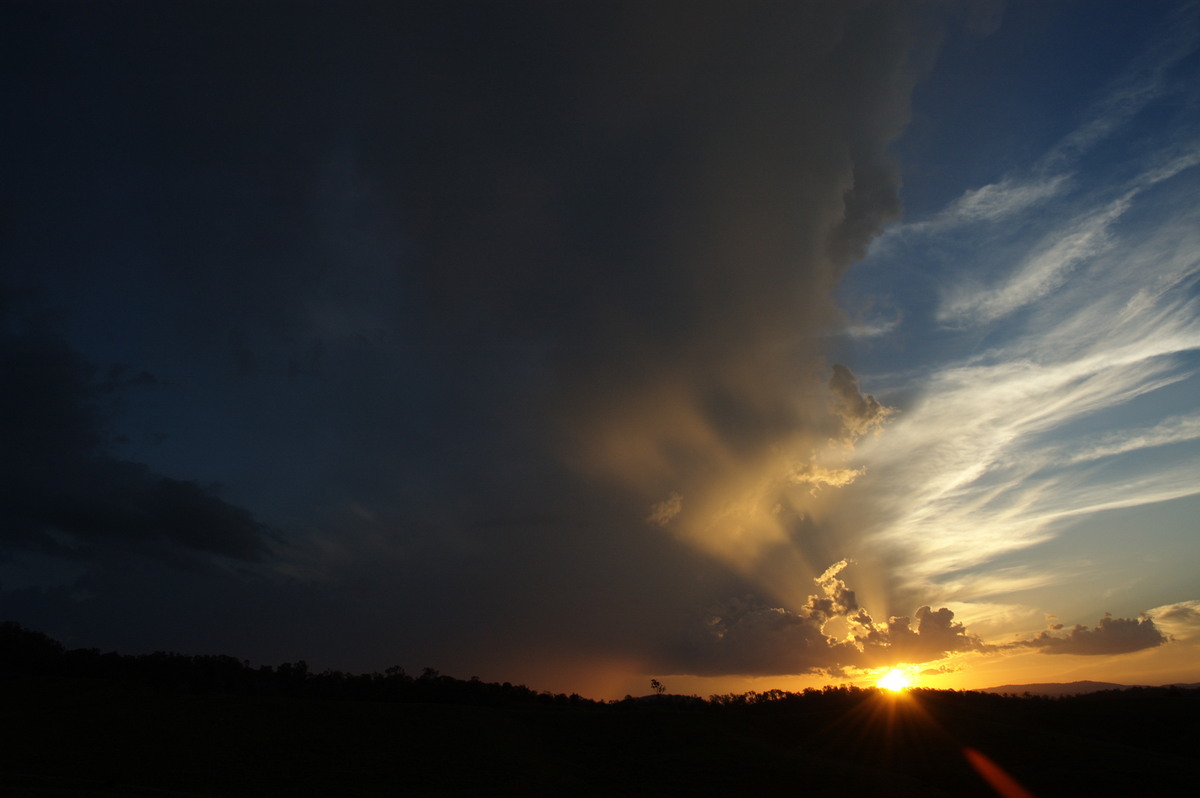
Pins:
x: 1060, y: 379
x: 1176, y: 429
x: 872, y: 328
x: 1142, y: 82
x: 997, y: 201
x: 1043, y: 271
x: 1051, y: 261
x: 1180, y: 620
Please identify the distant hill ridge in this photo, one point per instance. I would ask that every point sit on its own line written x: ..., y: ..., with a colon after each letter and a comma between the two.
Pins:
x: 1069, y: 688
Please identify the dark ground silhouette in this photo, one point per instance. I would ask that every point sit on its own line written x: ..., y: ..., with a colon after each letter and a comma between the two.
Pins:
x: 85, y: 723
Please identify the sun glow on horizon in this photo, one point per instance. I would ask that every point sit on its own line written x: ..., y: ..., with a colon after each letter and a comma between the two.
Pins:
x: 895, y: 680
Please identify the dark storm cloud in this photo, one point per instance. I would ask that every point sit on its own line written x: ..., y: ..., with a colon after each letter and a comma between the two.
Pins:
x: 744, y: 637
x: 702, y: 377
x: 1109, y: 636
x: 508, y: 310
x: 63, y: 492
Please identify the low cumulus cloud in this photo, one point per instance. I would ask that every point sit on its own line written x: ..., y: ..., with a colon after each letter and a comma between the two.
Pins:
x: 833, y: 634
x: 1109, y: 636
x: 936, y: 635
x: 749, y: 637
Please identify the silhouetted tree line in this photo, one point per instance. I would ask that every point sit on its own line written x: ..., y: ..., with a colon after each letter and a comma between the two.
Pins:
x: 1184, y: 701
x: 24, y: 652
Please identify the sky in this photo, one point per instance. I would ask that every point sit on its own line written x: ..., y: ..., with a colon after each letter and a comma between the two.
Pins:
x: 742, y: 346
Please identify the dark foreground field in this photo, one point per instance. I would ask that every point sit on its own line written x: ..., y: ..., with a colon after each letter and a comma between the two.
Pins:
x: 133, y: 731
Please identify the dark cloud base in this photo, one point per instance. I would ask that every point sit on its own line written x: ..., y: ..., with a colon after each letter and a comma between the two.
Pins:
x: 64, y: 493
x: 1110, y: 636
x: 748, y: 638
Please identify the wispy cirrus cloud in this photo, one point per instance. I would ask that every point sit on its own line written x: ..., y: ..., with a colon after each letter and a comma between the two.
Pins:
x: 1145, y: 80
x: 1054, y: 174
x: 1004, y: 200
x: 978, y: 466
x: 1181, y: 620
x: 964, y: 473
x: 997, y: 201
x: 1046, y: 269
x: 1064, y: 248
x: 1176, y: 429
x: 1062, y: 353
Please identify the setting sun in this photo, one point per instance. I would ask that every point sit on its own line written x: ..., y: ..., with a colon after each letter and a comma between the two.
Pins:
x: 894, y: 680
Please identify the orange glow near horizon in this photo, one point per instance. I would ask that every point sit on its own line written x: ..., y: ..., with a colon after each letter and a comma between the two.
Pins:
x: 895, y: 680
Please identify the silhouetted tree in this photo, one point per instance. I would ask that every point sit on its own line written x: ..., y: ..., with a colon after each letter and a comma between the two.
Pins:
x: 26, y: 651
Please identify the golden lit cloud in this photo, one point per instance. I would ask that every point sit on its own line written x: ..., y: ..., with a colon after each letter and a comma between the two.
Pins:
x: 1181, y: 620
x: 662, y: 512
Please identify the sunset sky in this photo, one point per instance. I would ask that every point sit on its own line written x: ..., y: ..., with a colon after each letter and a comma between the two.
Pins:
x: 736, y: 345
